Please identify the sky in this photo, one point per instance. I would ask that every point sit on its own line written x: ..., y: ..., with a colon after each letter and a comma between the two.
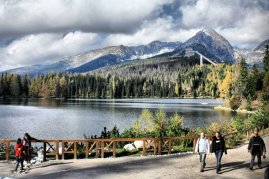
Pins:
x: 44, y: 31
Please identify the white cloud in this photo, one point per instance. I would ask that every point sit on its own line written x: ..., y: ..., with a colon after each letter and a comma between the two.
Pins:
x: 250, y: 31
x: 39, y: 16
x: 208, y: 13
x: 243, y: 23
x: 37, y: 26
x: 34, y: 49
x: 161, y: 29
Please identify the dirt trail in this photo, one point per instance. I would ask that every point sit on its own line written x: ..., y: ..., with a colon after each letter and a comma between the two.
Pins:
x: 235, y: 165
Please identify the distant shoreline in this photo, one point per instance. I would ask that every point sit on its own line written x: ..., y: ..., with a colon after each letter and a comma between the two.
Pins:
x: 223, y: 108
x: 23, y: 98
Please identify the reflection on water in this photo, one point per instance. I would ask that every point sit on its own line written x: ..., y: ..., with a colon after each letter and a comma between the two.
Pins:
x: 73, y: 118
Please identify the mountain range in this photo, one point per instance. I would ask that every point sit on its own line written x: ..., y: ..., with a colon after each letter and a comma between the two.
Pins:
x: 207, y: 41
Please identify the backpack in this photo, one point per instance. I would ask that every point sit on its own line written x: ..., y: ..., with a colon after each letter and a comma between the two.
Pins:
x: 19, y: 151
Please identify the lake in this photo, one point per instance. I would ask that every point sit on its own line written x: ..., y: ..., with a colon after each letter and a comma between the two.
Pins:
x: 71, y: 119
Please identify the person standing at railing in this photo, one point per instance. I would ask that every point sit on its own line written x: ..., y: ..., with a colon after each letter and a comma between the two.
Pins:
x: 27, y: 139
x: 218, y: 147
x: 256, y: 147
x: 202, y: 148
x: 19, y: 154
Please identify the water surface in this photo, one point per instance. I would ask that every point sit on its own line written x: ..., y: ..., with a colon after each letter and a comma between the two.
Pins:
x: 50, y: 119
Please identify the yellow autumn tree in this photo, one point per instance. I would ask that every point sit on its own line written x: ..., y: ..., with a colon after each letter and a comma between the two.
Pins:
x: 144, y: 124
x: 225, y: 86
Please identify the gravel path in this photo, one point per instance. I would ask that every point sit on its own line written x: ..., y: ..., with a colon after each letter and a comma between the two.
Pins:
x: 235, y: 165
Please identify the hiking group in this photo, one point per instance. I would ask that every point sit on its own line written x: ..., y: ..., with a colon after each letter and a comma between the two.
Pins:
x: 256, y: 147
x: 23, y: 151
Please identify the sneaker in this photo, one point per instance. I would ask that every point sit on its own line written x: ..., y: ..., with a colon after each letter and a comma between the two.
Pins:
x: 260, y: 167
x: 16, y: 172
x: 250, y: 168
x: 202, y: 170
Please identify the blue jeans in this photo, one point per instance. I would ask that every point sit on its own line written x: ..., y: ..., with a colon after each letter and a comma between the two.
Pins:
x: 218, y: 155
x: 19, y: 161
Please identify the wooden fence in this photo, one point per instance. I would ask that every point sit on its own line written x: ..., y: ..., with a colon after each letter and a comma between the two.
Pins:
x: 98, y: 146
x: 101, y: 146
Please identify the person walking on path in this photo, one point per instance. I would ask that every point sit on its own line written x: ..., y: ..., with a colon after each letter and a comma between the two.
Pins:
x: 202, y: 148
x: 19, y: 154
x: 256, y: 147
x: 218, y: 147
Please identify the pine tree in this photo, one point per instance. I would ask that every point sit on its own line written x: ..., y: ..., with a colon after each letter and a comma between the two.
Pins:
x: 25, y: 86
x: 265, y: 94
x: 266, y: 58
x: 242, y: 78
x: 15, y: 86
x: 266, y: 67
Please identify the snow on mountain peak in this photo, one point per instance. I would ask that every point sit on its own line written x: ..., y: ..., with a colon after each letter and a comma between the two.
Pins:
x: 209, y: 31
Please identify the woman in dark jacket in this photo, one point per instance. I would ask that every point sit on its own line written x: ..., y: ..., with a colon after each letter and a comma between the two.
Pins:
x: 218, y: 147
x: 27, y: 139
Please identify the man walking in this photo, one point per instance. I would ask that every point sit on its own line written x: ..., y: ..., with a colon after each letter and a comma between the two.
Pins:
x: 202, y: 148
x: 257, y: 148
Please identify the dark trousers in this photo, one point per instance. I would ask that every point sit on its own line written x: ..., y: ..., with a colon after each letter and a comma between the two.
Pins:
x: 259, y: 156
x: 27, y: 153
x: 18, y: 162
x: 218, y: 155
x: 202, y: 160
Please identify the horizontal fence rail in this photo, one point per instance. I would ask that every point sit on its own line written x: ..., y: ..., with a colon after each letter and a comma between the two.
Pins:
x: 57, y: 148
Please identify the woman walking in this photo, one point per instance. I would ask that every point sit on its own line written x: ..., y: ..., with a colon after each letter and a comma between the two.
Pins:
x: 218, y: 147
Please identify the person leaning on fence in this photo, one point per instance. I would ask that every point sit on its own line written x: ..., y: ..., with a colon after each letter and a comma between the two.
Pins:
x: 218, y: 147
x: 256, y: 147
x: 202, y: 148
x: 19, y: 154
x: 27, y: 139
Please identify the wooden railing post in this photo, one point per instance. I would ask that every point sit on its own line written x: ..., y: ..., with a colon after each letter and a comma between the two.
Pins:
x: 97, y: 149
x: 194, y: 144
x: 44, y: 151
x: 155, y: 147
x: 75, y: 150
x: 144, y: 147
x: 102, y: 149
x: 7, y: 150
x: 63, y: 150
x: 169, y: 146
x: 87, y: 150
x: 57, y: 150
x: 114, y: 149
x: 160, y: 147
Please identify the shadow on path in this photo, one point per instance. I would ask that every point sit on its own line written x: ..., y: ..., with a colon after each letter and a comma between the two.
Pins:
x: 228, y: 167
x: 107, y: 169
x: 52, y: 164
